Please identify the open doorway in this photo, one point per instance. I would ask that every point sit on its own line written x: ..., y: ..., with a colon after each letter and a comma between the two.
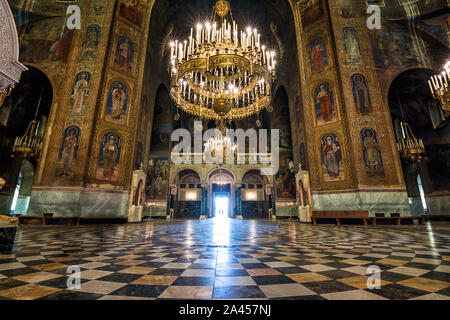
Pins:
x: 222, y: 205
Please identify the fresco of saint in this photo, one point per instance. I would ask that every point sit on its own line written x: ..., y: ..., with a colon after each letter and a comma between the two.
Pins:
x: 372, y: 152
x: 68, y: 152
x: 318, y: 55
x: 80, y: 93
x: 110, y: 152
x: 90, y: 42
x: 361, y: 94
x: 331, y: 158
x: 352, y: 49
x: 116, y: 108
x: 124, y: 54
x: 324, y: 102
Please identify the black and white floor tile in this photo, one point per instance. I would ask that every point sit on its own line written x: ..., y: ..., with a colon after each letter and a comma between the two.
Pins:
x: 228, y: 259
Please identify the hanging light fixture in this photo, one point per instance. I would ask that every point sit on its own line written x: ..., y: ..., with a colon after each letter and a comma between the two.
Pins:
x: 4, y: 94
x: 220, y: 143
x: 221, y: 181
x: 439, y: 86
x: 30, y: 144
x: 411, y: 149
x: 222, y: 73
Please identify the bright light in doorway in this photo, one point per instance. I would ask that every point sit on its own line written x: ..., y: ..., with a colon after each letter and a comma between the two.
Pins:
x: 222, y: 207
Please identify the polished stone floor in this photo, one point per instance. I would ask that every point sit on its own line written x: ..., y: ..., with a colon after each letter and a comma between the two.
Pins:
x: 228, y: 259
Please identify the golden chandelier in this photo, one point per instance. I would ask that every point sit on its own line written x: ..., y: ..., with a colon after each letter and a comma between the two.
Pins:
x: 440, y: 89
x: 221, y: 73
x: 411, y: 148
x: 30, y: 144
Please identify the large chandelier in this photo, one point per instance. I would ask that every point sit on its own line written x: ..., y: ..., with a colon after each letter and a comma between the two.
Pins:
x: 439, y: 86
x: 222, y: 73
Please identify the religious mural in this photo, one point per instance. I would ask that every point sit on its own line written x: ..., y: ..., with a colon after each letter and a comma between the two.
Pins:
x: 361, y: 94
x: 281, y: 121
x: 90, y: 42
x: 318, y: 56
x: 139, y: 156
x: 161, y: 130
x: 116, y: 108
x: 352, y: 46
x: 285, y: 178
x: 303, y: 157
x: 80, y: 93
x: 124, y: 54
x: 312, y: 10
x: 325, y: 104
x: 131, y: 13
x: 393, y: 47
x: 43, y: 39
x: 332, y: 163
x: 158, y: 179
x: 68, y: 152
x: 299, y: 109
x: 372, y: 153
x: 109, y: 157
x: 144, y: 109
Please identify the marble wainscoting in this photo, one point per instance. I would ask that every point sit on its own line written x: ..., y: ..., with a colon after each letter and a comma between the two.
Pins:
x: 7, y: 236
x: 21, y: 204
x: 438, y: 205
x: 157, y: 209
x: 81, y: 203
x: 5, y: 203
x: 286, y: 209
x: 373, y: 201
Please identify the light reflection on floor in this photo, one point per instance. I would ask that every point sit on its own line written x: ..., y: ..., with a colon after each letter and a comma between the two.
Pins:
x: 224, y: 258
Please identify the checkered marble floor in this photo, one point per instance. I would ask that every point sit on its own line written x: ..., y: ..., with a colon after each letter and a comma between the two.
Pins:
x: 228, y: 259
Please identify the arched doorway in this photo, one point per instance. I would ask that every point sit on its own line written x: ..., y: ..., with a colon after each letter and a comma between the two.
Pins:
x: 221, y: 191
x: 254, y: 201
x: 427, y: 181
x: 188, y: 200
x: 18, y: 111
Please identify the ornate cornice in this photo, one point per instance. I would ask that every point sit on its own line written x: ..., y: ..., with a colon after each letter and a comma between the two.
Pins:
x: 10, y: 67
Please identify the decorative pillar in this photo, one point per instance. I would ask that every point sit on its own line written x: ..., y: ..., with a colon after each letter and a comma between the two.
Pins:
x: 239, y: 213
x: 171, y: 202
x: 347, y: 122
x: 204, y: 197
x: 304, y: 196
x: 136, y: 205
x: 104, y: 60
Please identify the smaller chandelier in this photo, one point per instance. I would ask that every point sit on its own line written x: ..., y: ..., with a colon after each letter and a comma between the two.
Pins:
x: 221, y: 180
x: 439, y: 86
x: 220, y: 143
x: 410, y: 148
x: 4, y: 94
x: 30, y: 144
x: 221, y: 72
